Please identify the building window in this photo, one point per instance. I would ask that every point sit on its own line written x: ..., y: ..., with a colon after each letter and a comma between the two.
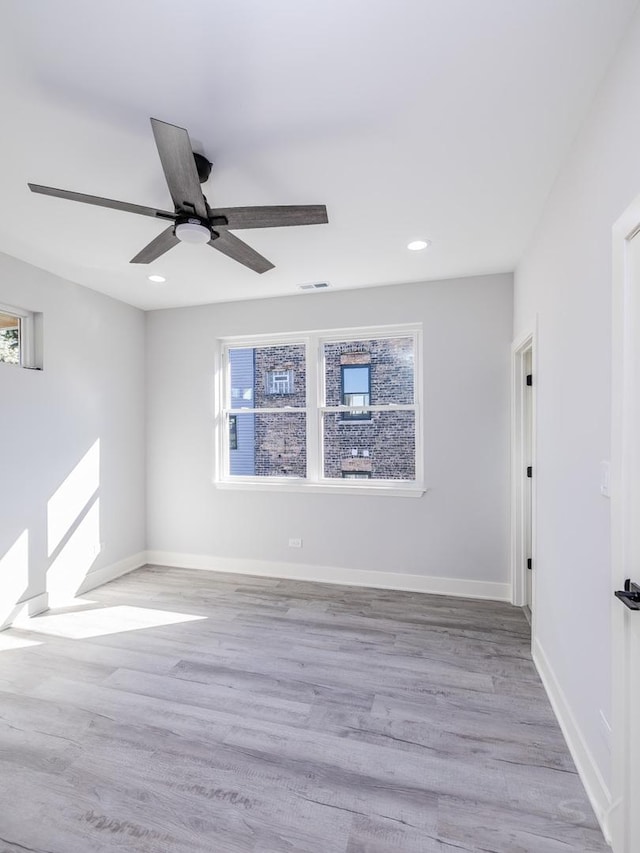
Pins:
x: 9, y: 338
x: 280, y: 382
x: 233, y: 432
x: 17, y: 337
x: 322, y: 408
x: 355, y: 384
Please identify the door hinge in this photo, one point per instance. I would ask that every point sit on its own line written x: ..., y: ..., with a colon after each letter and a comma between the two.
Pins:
x: 529, y: 563
x: 529, y: 471
x: 529, y: 379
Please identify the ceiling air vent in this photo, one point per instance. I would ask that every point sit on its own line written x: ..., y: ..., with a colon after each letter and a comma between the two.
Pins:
x: 318, y: 285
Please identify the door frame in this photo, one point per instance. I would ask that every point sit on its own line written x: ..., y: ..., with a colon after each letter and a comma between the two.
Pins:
x: 524, y: 343
x: 625, y: 426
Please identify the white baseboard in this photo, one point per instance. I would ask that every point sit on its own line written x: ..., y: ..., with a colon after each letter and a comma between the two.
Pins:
x: 595, y: 786
x: 115, y: 570
x: 333, y: 574
x: 37, y: 604
x: 24, y: 610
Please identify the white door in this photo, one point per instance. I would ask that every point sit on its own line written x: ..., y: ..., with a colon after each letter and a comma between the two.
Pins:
x: 523, y: 392
x: 626, y: 540
x: 528, y: 480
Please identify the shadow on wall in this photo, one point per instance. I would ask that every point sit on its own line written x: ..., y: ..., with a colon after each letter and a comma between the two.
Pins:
x: 73, y: 543
x: 14, y: 579
x: 73, y: 529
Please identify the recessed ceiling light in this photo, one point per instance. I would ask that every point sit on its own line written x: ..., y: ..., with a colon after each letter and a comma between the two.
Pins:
x: 156, y: 278
x: 417, y: 245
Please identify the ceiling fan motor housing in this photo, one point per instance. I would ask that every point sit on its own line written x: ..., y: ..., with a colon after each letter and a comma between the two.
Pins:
x: 203, y: 166
x: 192, y: 229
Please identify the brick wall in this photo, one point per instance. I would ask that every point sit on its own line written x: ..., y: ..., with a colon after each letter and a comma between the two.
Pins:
x: 280, y: 439
x: 382, y: 446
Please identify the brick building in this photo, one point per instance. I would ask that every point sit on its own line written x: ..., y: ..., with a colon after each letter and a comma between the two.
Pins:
x: 359, y: 444
x: 376, y: 445
x: 280, y: 439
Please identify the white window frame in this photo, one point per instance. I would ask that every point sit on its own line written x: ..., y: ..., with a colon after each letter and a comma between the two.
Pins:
x: 314, y: 410
x: 26, y: 335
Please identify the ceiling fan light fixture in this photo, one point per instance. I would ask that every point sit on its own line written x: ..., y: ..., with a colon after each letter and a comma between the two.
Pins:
x: 193, y: 231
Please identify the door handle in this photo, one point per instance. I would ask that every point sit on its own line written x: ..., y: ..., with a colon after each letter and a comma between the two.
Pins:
x: 630, y: 595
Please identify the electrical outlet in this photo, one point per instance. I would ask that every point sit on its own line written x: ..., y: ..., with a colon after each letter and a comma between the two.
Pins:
x: 295, y: 543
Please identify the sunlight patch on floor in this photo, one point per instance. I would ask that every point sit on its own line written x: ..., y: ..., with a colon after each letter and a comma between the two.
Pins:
x: 84, y: 624
x: 9, y: 642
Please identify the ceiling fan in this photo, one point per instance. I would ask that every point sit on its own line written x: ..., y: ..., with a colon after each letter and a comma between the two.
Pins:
x: 192, y: 220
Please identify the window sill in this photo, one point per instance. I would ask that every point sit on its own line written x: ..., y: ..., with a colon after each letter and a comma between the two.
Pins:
x: 414, y: 490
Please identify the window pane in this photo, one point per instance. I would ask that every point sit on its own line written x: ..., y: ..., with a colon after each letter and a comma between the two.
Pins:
x: 381, y: 448
x: 233, y: 432
x: 355, y: 380
x: 383, y: 368
x: 9, y: 339
x: 268, y: 377
x: 269, y: 445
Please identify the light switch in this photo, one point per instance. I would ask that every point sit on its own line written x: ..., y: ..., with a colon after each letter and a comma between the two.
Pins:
x: 605, y: 479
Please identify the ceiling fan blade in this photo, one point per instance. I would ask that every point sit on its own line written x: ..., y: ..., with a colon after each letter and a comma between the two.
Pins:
x: 102, y: 202
x: 238, y: 250
x: 274, y: 216
x: 161, y: 244
x: 176, y: 156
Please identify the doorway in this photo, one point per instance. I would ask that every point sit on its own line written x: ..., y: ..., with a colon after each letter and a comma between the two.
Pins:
x: 625, y: 533
x: 523, y: 474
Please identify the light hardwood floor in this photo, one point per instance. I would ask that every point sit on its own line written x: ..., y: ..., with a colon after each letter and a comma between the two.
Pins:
x: 188, y: 712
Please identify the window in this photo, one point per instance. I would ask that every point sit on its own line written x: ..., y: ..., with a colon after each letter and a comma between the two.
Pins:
x: 17, y: 337
x: 9, y: 338
x: 233, y: 432
x: 318, y: 409
x: 355, y: 382
x: 267, y: 410
x: 280, y: 382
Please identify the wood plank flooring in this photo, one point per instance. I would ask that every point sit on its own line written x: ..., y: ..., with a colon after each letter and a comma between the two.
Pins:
x: 190, y: 712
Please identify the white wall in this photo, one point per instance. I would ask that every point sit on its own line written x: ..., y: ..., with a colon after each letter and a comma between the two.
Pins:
x: 565, y: 277
x: 91, y: 388
x: 459, y: 529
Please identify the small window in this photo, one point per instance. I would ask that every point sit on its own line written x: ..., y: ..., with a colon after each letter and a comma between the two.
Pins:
x: 20, y: 337
x: 356, y: 475
x: 280, y: 382
x: 356, y: 390
x: 233, y: 432
x: 10, y: 348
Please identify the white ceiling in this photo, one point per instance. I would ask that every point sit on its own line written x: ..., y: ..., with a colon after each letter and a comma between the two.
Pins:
x: 442, y: 119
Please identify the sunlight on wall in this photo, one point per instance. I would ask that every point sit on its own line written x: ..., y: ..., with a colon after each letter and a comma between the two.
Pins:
x: 107, y: 620
x: 72, y: 496
x: 70, y: 567
x: 14, y: 575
